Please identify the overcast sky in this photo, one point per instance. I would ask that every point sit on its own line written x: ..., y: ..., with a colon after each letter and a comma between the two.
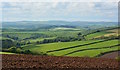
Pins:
x: 68, y: 11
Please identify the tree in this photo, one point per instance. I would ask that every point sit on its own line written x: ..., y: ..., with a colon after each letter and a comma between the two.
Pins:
x: 79, y: 34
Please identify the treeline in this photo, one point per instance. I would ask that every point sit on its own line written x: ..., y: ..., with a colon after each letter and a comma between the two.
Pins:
x: 60, y: 39
x: 35, y: 36
x: 11, y: 37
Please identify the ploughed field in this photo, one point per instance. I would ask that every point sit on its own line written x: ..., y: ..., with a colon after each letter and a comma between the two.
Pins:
x: 111, y: 55
x: 53, y: 62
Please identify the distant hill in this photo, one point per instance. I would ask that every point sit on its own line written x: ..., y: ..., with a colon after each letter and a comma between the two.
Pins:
x: 50, y: 24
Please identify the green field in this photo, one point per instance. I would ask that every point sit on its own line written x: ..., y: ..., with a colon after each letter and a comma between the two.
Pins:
x: 6, y: 53
x: 95, y: 35
x: 99, y: 45
x: 55, y: 46
x: 93, y: 53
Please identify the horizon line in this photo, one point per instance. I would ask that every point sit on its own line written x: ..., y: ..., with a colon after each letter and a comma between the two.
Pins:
x: 60, y: 20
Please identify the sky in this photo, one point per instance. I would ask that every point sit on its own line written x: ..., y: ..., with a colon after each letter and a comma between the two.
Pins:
x: 65, y: 11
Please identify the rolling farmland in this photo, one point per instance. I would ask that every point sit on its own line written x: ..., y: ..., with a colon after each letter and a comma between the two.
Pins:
x: 60, y: 35
x: 62, y: 44
x: 75, y: 48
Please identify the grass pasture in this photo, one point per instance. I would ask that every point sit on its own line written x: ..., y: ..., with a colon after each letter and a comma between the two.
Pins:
x: 93, y: 53
x: 55, y: 46
x: 76, y: 50
x: 87, y: 47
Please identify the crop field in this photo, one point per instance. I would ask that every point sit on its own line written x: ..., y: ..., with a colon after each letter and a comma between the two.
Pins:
x: 113, y: 32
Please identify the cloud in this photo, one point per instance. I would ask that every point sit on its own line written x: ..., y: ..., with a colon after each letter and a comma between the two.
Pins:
x: 59, y: 10
x: 59, y: 0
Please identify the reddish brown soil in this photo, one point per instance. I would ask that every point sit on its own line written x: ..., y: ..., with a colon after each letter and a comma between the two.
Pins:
x: 111, y: 55
x: 53, y: 62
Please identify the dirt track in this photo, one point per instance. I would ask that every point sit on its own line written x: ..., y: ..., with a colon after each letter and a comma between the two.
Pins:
x: 52, y: 62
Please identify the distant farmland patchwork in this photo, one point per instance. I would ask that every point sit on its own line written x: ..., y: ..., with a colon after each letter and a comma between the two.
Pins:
x: 79, y: 41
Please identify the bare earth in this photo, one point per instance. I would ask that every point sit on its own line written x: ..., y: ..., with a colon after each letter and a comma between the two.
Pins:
x: 111, y: 55
x: 52, y: 62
